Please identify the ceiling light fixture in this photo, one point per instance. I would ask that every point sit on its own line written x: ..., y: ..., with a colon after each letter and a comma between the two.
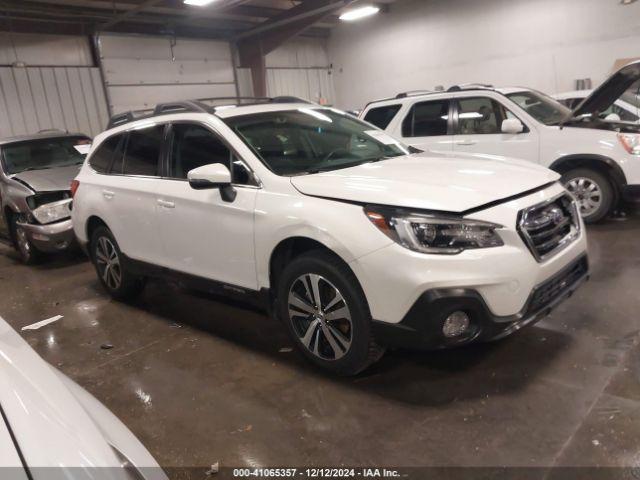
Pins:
x: 358, y: 13
x: 198, y: 3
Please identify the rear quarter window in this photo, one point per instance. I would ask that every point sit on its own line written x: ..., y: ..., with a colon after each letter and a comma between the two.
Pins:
x: 101, y: 160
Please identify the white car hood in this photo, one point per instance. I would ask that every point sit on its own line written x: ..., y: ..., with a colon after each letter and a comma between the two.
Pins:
x: 48, y: 417
x: 447, y: 183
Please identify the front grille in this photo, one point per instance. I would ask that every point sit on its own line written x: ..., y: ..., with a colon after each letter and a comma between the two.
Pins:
x: 548, y: 227
x: 554, y: 287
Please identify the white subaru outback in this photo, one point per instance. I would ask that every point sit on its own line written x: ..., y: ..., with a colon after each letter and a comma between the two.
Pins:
x: 599, y: 159
x: 348, y: 237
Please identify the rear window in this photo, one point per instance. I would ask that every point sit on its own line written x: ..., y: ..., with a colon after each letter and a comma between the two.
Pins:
x: 427, y: 119
x: 143, y: 151
x: 44, y: 153
x: 381, y: 116
x: 101, y: 159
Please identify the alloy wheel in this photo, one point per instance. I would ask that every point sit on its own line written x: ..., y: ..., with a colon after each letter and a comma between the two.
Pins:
x: 587, y: 193
x: 108, y: 263
x: 320, y: 317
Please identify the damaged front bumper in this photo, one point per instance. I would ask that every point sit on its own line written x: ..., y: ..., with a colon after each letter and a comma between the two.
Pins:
x: 51, y: 238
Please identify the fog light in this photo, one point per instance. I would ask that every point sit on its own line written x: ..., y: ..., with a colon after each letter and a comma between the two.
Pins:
x: 456, y: 324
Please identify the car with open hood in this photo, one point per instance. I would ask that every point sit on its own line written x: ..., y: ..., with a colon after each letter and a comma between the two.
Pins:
x: 35, y: 198
x: 354, y: 240
x: 625, y: 109
x: 51, y: 428
x: 598, y: 155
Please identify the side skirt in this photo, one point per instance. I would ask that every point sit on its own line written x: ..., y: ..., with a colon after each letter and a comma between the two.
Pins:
x: 260, y: 299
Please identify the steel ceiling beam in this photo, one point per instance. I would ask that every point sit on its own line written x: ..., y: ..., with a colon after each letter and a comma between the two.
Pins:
x: 129, y: 13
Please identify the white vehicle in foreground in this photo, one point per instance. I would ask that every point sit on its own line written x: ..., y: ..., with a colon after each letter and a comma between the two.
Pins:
x: 50, y: 428
x: 354, y: 242
x: 625, y: 109
x: 599, y: 160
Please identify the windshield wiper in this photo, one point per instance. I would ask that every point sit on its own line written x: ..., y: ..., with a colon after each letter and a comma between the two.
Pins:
x: 30, y: 169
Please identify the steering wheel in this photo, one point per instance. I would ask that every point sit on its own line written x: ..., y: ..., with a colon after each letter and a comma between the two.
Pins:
x: 330, y: 155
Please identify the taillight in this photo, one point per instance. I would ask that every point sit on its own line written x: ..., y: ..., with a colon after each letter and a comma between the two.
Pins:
x: 74, y: 187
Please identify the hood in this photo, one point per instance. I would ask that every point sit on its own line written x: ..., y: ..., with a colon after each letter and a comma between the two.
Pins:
x: 48, y: 422
x: 448, y: 183
x: 50, y: 179
x: 610, y: 91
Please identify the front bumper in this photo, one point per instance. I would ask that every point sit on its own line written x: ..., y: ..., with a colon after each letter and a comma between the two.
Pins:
x: 51, y: 238
x: 421, y: 328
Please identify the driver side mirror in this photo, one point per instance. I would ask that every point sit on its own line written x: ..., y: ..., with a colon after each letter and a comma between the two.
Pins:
x: 612, y: 117
x: 211, y: 176
x: 512, y: 125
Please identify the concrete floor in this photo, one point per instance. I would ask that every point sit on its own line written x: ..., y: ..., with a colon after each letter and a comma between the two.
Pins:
x: 202, y: 381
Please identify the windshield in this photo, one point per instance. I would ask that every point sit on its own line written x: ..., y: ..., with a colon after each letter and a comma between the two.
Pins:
x: 44, y: 153
x: 311, y: 140
x: 541, y: 107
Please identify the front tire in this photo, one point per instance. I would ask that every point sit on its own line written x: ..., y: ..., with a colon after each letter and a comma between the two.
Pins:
x: 327, y: 315
x: 28, y: 253
x: 593, y: 192
x: 111, y: 268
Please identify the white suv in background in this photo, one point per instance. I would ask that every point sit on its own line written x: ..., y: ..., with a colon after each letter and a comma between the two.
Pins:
x: 351, y: 240
x: 599, y: 160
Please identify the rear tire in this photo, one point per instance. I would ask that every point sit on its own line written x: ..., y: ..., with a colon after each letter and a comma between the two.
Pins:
x: 326, y: 312
x: 28, y: 253
x: 593, y: 192
x: 111, y: 267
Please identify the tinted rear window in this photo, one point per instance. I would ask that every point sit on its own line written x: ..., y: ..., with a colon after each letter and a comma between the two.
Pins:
x: 381, y: 116
x: 143, y: 151
x: 101, y: 159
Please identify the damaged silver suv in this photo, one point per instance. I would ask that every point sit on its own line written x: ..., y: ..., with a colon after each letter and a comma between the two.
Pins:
x: 35, y: 180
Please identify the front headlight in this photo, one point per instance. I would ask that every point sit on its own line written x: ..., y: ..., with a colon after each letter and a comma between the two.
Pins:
x: 630, y: 142
x: 434, y: 234
x: 52, y: 212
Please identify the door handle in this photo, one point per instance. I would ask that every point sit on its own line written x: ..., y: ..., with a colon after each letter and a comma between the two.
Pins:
x: 165, y: 204
x: 108, y: 194
x: 466, y: 142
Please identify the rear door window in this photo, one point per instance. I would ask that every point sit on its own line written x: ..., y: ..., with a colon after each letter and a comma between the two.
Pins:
x: 142, y: 154
x: 427, y: 119
x: 381, y: 116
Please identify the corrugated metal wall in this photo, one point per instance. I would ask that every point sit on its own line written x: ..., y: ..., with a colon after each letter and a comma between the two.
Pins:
x: 40, y: 98
x: 142, y: 71
x: 300, y: 68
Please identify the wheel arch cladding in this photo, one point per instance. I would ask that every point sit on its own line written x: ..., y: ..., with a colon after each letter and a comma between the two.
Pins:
x: 600, y: 163
x: 293, y: 247
x: 94, y: 222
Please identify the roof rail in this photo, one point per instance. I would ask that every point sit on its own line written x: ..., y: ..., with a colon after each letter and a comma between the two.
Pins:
x: 413, y: 92
x: 198, y: 105
x: 470, y: 86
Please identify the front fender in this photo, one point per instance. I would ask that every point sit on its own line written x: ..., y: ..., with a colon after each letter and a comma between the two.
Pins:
x: 341, y: 227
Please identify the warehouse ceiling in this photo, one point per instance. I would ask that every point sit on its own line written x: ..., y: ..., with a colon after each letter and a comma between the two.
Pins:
x: 220, y: 19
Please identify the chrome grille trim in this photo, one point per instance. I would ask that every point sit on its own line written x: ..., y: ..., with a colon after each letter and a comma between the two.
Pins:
x: 549, y: 227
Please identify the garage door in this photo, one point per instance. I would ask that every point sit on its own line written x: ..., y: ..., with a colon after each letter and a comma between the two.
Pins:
x: 143, y: 71
x: 33, y: 99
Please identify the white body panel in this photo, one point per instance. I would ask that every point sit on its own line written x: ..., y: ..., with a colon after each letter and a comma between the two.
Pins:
x: 233, y: 242
x: 55, y: 422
